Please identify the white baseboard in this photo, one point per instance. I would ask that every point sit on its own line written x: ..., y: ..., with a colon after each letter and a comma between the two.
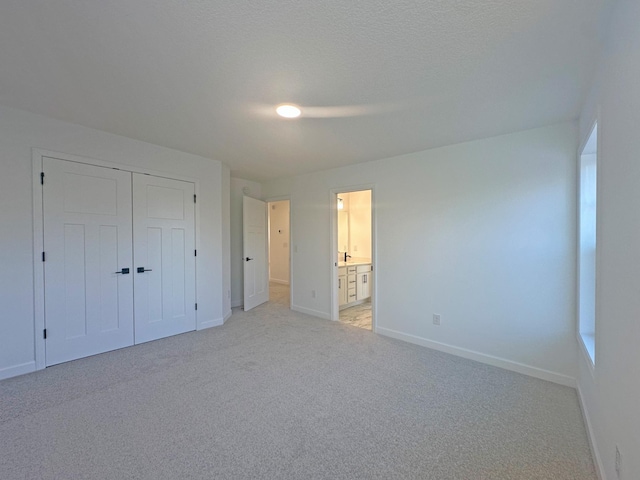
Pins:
x: 16, y: 370
x: 482, y: 358
x: 227, y: 316
x: 310, y: 311
x: 281, y: 282
x: 214, y: 322
x: 595, y: 452
x: 236, y: 303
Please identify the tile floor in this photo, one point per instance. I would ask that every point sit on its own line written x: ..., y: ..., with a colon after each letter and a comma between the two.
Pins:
x: 358, y: 316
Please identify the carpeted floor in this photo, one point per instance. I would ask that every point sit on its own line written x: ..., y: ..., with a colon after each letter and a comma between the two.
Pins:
x: 274, y: 394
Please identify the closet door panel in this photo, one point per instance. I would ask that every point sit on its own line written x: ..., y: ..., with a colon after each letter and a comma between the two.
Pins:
x: 87, y: 237
x: 164, y: 246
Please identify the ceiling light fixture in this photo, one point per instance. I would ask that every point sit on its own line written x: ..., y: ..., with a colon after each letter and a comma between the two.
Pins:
x: 288, y: 111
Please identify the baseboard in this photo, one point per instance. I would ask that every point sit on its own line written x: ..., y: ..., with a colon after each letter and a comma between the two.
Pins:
x: 214, y: 322
x: 236, y: 303
x: 227, y: 316
x: 281, y: 282
x: 595, y: 452
x: 16, y: 370
x: 310, y: 311
x: 482, y: 358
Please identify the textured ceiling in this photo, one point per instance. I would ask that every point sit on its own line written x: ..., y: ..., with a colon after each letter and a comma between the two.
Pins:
x: 378, y: 78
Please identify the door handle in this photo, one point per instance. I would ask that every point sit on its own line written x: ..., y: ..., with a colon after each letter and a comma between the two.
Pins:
x: 142, y: 270
x: 124, y: 271
x: 247, y: 259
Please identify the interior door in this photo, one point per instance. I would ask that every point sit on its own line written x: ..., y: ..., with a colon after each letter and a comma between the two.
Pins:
x: 87, y: 272
x: 256, y: 267
x: 164, y: 262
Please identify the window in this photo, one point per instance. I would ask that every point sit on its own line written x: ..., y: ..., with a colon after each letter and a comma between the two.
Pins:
x: 587, y: 244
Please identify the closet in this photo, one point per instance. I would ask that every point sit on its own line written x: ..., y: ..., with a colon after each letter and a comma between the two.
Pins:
x: 119, y: 258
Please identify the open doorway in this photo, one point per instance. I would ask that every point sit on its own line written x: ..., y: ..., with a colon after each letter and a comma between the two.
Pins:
x: 354, y: 250
x: 279, y: 252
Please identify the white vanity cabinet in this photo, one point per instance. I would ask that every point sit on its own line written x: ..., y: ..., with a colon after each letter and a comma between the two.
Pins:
x: 351, y: 284
x: 342, y: 286
x: 354, y: 284
x: 364, y: 276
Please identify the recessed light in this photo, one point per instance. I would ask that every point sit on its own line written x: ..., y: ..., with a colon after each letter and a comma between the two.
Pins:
x: 288, y: 111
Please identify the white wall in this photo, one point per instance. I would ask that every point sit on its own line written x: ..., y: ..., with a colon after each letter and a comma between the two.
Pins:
x: 279, y: 241
x: 20, y: 132
x: 237, y: 189
x: 611, y: 392
x: 482, y: 233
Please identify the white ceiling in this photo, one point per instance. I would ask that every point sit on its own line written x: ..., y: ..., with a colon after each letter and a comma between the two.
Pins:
x: 383, y: 77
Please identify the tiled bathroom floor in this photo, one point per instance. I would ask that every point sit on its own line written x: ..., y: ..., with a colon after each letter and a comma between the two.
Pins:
x: 357, y: 316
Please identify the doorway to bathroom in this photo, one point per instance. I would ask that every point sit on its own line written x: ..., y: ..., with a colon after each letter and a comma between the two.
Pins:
x: 353, y: 247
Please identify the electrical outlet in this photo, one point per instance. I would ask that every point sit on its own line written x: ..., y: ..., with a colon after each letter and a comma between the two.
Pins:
x: 436, y: 319
x: 313, y: 294
x: 618, y: 462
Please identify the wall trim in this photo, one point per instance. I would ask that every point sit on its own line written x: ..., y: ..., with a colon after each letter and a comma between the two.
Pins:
x: 310, y: 311
x: 16, y: 370
x: 482, y: 358
x: 214, y: 322
x: 236, y: 303
x: 595, y: 452
x: 227, y: 316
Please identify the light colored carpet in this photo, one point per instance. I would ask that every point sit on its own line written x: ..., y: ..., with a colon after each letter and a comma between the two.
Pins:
x: 274, y: 394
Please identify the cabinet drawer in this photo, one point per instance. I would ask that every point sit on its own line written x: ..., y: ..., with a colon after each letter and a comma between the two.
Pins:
x: 363, y: 268
x: 352, y: 295
x: 351, y: 270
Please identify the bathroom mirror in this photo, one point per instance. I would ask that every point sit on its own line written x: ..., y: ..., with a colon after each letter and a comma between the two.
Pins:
x: 343, y: 231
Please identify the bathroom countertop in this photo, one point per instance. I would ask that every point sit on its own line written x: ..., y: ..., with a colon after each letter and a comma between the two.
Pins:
x: 354, y: 262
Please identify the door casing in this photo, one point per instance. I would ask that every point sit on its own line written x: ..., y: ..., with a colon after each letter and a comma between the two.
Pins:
x: 333, y: 263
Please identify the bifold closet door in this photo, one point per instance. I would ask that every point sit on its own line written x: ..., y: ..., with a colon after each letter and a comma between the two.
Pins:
x: 87, y: 237
x: 164, y: 257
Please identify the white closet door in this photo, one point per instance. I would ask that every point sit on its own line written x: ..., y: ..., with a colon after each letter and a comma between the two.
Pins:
x: 164, y: 246
x: 87, y: 238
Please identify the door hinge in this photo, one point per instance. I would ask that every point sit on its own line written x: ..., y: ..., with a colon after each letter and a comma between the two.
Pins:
x: 44, y: 333
x: 44, y: 257
x: 196, y: 306
x: 41, y: 178
x: 194, y: 198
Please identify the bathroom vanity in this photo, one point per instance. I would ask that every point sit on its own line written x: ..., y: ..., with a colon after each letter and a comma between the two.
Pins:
x: 354, y: 283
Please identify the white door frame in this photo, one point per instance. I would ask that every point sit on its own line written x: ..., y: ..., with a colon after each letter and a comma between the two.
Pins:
x: 333, y: 261
x: 279, y: 199
x: 38, y: 232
